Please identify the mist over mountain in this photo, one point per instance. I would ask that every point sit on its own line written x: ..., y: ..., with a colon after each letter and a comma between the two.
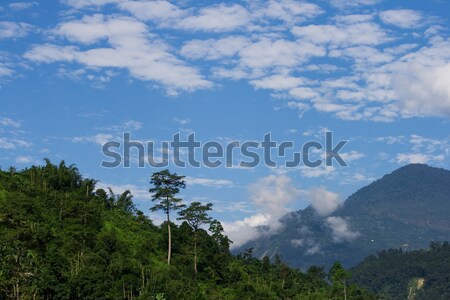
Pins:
x: 407, y: 209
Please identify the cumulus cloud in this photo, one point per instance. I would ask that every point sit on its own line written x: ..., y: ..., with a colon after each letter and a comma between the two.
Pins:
x: 161, y: 12
x: 219, y: 18
x: 281, y: 82
x: 420, y: 83
x: 84, y: 3
x: 418, y: 158
x: 138, y: 192
x: 214, y: 49
x: 8, y: 122
x: 273, y: 193
x: 323, y: 201
x: 352, y: 3
x: 181, y: 122
x: 14, y: 30
x: 309, y: 246
x: 209, y: 182
x: 287, y: 10
x: 22, y: 5
x: 340, y: 229
x: 271, y: 196
x: 404, y: 18
x: 374, y: 69
x: 99, y: 138
x: 360, y: 33
x: 351, y: 156
x: 13, y: 143
x: 222, y: 17
x: 272, y: 53
x: 325, y: 171
x: 5, y: 71
x: 24, y: 159
x: 243, y: 231
x: 131, y: 48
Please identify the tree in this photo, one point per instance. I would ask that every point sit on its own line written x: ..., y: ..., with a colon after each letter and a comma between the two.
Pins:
x: 196, y: 215
x: 165, y: 186
x: 339, y: 277
x: 223, y: 242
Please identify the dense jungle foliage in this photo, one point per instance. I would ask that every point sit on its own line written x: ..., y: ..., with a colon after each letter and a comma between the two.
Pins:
x: 62, y: 238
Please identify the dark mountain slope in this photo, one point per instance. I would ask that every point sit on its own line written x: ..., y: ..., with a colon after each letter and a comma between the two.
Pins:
x: 419, y: 274
x: 408, y: 208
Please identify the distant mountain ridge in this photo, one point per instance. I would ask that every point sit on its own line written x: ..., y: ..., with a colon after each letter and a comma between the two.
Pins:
x: 407, y: 208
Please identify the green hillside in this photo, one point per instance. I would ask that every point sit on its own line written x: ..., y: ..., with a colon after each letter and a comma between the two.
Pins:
x: 419, y: 274
x: 61, y: 238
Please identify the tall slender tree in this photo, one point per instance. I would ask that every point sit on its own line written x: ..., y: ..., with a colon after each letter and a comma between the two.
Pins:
x: 339, y: 277
x: 166, y: 186
x: 196, y: 215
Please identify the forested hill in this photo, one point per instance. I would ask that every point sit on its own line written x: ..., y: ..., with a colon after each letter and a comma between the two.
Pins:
x: 61, y: 238
x: 420, y: 274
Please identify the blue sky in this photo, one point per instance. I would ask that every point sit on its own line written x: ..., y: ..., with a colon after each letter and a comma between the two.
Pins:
x: 77, y: 73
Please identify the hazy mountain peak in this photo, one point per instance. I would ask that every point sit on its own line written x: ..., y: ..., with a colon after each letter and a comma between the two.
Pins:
x: 407, y: 208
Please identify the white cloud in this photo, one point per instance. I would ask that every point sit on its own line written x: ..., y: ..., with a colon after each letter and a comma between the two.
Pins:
x: 420, y: 82
x: 325, y: 171
x: 352, y: 3
x: 271, y: 195
x: 131, y: 48
x: 12, y: 143
x: 279, y: 82
x: 313, y: 250
x: 221, y: 17
x: 429, y: 145
x: 209, y: 182
x: 48, y: 53
x: 230, y: 206
x: 214, y: 49
x: 361, y: 33
x: 8, y: 122
x: 24, y: 159
x: 268, y: 53
x: 22, y: 5
x: 84, y: 3
x: 390, y: 140
x: 157, y: 11
x: 5, y: 70
x: 366, y: 78
x: 100, y: 138
x: 14, y: 30
x: 297, y: 243
x: 138, y: 192
x: 287, y: 10
x: 243, y: 231
x: 356, y: 177
x: 323, y: 201
x: 418, y: 158
x: 91, y: 29
x: 181, y: 122
x: 351, y: 156
x: 217, y: 18
x: 404, y: 18
x: 301, y: 107
x: 340, y: 229
x: 310, y: 246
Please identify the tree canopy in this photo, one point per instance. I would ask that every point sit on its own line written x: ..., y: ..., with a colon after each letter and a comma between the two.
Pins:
x: 62, y: 238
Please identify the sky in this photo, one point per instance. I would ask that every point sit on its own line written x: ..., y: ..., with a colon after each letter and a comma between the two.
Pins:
x: 75, y: 74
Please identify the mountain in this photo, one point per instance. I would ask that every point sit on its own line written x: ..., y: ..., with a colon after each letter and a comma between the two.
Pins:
x: 406, y: 209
